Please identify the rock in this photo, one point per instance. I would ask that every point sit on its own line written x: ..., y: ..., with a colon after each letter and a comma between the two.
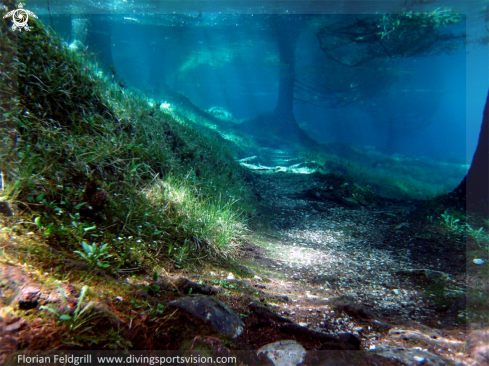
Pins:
x: 284, y: 353
x: 211, y: 311
x: 344, y: 341
x: 411, y: 356
x: 257, y: 278
x: 184, y: 284
x: 28, y: 297
x: 230, y: 277
x: 477, y: 346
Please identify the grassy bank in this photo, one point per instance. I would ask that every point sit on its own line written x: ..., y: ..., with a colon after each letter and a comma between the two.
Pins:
x: 87, y: 164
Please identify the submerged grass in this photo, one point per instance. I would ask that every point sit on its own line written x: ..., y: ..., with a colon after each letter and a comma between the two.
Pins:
x: 84, y: 161
x: 93, y: 173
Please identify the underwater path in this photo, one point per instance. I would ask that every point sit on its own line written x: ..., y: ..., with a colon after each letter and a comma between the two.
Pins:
x: 338, y: 260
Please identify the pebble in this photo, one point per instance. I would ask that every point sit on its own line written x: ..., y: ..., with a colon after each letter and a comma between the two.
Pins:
x: 230, y: 276
x: 479, y: 261
x: 212, y: 274
x: 257, y: 278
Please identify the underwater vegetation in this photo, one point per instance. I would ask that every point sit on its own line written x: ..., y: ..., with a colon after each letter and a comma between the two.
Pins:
x: 80, y: 155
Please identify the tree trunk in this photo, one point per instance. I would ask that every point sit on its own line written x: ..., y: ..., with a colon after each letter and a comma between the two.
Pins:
x: 474, y: 189
x: 279, y: 126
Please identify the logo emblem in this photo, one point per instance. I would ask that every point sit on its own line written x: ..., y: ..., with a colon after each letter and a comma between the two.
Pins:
x: 20, y: 17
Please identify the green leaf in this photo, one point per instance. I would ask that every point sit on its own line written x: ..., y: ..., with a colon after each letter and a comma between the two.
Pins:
x: 80, y: 300
x: 155, y: 276
x: 82, y: 254
x: 90, y: 228
x: 38, y: 222
x: 80, y: 205
x: 87, y: 248
x: 49, y: 229
x: 50, y: 308
x: 65, y: 318
x: 63, y: 297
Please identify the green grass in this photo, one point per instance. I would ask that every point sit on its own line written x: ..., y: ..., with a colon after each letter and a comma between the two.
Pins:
x: 69, y: 134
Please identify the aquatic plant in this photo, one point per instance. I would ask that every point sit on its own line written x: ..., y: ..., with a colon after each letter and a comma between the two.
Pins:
x: 81, y: 317
x: 480, y: 236
x: 450, y: 221
x: 94, y: 255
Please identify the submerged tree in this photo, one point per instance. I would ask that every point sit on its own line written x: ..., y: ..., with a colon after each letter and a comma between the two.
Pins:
x: 280, y: 123
x: 473, y: 191
x: 357, y: 43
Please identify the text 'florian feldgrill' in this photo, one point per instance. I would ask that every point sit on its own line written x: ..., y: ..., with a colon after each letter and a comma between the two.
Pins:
x: 61, y: 359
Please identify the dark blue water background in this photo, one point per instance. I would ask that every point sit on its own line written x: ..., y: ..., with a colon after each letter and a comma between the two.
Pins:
x: 220, y: 54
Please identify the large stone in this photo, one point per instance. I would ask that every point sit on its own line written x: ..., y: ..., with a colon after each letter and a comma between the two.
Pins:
x: 211, y: 311
x: 413, y: 357
x: 284, y: 353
